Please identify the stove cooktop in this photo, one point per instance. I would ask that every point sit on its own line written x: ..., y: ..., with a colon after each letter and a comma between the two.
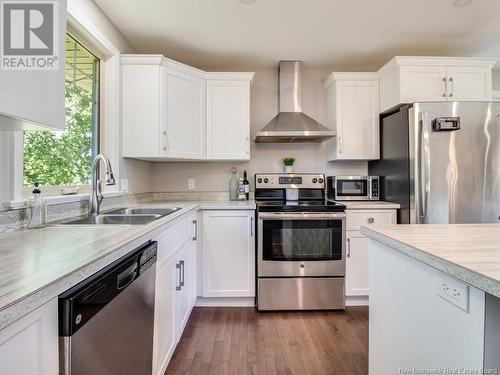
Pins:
x: 299, y: 206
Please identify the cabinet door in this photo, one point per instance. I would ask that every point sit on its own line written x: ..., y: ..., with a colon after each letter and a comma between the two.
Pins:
x: 423, y: 83
x: 184, y: 116
x: 141, y: 110
x: 30, y: 345
x: 357, y: 120
x: 469, y: 83
x: 166, y: 306
x: 187, y: 283
x: 228, y: 254
x: 36, y: 96
x: 228, y: 120
x: 356, y: 273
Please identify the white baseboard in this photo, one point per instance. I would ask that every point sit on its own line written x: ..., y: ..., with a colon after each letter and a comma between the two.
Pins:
x: 357, y: 301
x: 225, y: 302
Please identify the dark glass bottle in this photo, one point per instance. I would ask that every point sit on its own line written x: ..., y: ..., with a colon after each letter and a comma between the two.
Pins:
x: 247, y: 185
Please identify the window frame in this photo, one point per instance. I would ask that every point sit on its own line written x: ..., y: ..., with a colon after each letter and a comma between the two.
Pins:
x: 56, y: 190
x: 85, y: 32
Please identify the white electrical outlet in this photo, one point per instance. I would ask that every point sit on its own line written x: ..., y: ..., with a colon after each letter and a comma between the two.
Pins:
x: 191, y: 184
x: 454, y: 291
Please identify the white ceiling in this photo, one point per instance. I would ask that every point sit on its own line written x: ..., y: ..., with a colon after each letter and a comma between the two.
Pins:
x: 340, y: 34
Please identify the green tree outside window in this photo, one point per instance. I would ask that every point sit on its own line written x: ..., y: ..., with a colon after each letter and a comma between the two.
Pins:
x: 65, y: 158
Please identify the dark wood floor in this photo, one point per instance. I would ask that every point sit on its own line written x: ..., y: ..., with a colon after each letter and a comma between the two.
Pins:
x: 244, y: 341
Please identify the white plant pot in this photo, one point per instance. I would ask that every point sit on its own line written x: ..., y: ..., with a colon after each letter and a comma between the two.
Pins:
x: 288, y: 168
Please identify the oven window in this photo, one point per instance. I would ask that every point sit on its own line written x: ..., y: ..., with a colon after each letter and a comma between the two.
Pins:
x: 352, y: 188
x: 302, y: 240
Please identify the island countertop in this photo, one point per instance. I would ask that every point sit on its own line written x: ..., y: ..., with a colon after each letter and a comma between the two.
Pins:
x: 468, y: 252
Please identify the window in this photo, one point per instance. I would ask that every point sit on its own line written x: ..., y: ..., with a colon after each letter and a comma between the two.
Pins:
x: 65, y: 157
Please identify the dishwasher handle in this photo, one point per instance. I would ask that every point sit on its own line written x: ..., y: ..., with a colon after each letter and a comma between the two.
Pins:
x: 126, y: 277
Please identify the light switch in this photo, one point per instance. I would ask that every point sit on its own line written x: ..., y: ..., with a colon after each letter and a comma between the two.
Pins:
x: 191, y: 184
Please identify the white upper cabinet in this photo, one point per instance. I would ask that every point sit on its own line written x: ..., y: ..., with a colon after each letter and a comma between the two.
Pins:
x: 165, y: 109
x: 35, y: 97
x: 353, y: 112
x: 184, y: 110
x: 228, y: 116
x: 432, y: 79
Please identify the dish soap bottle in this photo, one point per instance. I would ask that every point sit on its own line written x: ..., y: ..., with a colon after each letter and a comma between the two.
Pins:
x: 233, y: 186
x: 246, y: 184
x: 38, y: 210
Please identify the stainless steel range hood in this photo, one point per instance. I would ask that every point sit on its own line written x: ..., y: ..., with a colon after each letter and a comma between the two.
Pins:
x: 291, y: 125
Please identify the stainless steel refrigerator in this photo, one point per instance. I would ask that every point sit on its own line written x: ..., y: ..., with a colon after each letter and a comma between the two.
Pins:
x: 441, y: 162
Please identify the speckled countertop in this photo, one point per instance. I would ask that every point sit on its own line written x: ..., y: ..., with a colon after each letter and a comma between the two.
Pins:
x: 468, y: 252
x: 39, y: 264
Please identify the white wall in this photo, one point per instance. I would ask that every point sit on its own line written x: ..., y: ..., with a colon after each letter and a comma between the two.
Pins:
x: 138, y: 173
x: 310, y: 157
x: 496, y: 79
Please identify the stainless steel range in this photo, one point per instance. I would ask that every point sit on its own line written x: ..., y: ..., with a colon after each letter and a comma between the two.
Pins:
x: 300, y: 244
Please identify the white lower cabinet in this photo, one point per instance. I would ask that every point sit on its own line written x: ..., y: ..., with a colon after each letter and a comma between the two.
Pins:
x: 356, y: 283
x: 30, y: 345
x: 165, y: 337
x: 228, y: 255
x: 356, y: 279
x: 175, y: 289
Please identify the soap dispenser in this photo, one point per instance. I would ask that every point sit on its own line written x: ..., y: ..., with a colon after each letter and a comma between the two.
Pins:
x: 38, y: 209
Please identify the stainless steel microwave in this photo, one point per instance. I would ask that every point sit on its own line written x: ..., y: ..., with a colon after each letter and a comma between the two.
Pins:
x: 353, y: 188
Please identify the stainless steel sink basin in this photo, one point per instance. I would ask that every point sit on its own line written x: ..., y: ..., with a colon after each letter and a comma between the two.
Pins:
x: 114, y: 219
x: 145, y: 211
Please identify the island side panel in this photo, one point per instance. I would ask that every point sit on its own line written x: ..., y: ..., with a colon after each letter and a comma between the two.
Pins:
x: 411, y: 326
x: 492, y: 333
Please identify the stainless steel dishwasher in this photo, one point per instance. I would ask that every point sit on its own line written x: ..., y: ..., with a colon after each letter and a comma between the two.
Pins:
x: 106, y: 321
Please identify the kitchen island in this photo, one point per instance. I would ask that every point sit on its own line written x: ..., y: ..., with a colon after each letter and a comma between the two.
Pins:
x: 434, y: 299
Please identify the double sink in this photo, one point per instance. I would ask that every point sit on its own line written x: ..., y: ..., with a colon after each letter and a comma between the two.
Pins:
x: 124, y: 216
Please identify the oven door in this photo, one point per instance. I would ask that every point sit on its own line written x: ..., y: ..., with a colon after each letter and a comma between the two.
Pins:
x: 352, y: 188
x: 301, y: 244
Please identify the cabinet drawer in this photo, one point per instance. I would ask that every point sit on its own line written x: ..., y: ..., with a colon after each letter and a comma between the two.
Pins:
x: 172, y: 240
x: 356, y: 219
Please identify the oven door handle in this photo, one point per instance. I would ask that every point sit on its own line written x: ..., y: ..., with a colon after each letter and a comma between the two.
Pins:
x: 301, y: 216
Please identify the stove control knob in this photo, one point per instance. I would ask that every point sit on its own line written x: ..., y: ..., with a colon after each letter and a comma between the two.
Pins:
x: 315, y: 180
x: 266, y: 180
x: 321, y: 180
x: 259, y: 180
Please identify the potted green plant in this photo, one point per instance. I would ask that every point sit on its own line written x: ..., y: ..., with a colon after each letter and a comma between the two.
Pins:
x: 288, y: 162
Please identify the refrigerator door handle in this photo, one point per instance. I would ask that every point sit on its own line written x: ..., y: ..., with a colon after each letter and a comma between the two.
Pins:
x: 423, y: 167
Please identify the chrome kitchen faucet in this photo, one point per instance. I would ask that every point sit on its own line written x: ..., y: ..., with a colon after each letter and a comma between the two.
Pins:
x: 96, y: 196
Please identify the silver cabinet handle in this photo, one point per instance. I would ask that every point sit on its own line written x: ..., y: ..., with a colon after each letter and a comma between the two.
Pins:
x: 348, y: 247
x: 181, y: 262
x: 371, y: 220
x: 251, y: 226
x: 340, y: 144
x: 452, y: 86
x: 178, y: 286
x: 445, y: 93
x: 195, y: 235
x: 165, y: 140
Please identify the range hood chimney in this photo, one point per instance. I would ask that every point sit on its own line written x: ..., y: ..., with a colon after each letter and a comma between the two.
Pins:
x: 291, y: 125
